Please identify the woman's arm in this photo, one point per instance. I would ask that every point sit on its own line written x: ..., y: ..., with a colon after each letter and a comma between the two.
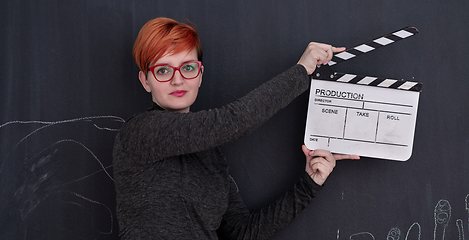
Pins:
x: 239, y: 223
x: 163, y: 134
x: 156, y: 135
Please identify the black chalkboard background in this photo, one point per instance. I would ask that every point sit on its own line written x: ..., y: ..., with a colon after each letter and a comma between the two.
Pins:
x: 68, y: 81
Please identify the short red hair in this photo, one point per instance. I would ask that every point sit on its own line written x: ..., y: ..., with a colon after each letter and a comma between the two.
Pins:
x: 161, y: 35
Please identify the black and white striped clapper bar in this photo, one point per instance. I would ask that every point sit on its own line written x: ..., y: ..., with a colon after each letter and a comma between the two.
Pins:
x: 363, y: 115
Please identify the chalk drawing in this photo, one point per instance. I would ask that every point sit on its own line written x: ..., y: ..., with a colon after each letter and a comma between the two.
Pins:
x: 51, y: 169
x: 394, y: 234
x: 459, y: 224
x: 41, y: 178
x: 467, y: 210
x: 414, y: 234
x: 48, y: 124
x: 442, y: 215
x: 362, y: 236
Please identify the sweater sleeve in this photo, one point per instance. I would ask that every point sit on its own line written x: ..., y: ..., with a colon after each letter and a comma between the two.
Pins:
x: 155, y: 135
x: 239, y: 223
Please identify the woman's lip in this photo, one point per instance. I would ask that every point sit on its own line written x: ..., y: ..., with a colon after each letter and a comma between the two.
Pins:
x: 178, y: 93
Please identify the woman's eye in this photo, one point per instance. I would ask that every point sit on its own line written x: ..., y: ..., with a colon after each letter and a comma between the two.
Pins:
x: 162, y: 70
x: 188, y: 68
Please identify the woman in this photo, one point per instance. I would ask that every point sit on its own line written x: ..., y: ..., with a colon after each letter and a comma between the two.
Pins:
x: 172, y: 181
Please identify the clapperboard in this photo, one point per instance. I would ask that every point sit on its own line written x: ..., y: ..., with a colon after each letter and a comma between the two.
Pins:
x: 363, y: 115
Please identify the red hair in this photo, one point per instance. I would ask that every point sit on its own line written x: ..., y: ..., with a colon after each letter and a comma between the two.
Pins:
x: 161, y: 35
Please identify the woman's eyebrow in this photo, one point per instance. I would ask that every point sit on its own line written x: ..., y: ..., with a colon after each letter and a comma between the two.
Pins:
x: 172, y: 65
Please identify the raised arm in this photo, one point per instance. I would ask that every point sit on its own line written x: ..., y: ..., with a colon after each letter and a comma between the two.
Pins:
x: 173, y: 134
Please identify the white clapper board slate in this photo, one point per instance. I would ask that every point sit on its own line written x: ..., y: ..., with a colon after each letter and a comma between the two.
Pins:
x: 362, y: 115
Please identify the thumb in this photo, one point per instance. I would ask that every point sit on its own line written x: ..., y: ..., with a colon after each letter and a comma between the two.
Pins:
x: 306, y: 151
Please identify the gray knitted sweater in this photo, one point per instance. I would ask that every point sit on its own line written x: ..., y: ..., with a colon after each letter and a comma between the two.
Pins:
x: 172, y: 181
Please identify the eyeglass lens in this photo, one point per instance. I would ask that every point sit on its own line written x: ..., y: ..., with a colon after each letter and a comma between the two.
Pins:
x: 165, y: 73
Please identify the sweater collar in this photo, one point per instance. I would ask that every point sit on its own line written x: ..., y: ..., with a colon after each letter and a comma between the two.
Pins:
x: 155, y: 106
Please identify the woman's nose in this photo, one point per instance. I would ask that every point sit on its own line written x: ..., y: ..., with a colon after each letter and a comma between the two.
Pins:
x: 177, y: 78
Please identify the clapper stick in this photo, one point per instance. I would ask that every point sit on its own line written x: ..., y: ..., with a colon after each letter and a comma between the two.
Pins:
x: 325, y: 72
x: 373, y: 44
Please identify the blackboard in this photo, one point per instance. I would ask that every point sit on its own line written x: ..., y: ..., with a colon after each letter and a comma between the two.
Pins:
x: 68, y: 82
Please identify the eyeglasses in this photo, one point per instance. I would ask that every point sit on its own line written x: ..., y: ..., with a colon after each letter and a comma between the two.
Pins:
x: 164, y: 73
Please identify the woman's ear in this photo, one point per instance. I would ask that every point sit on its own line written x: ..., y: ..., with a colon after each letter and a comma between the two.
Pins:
x: 143, y: 79
x: 201, y: 74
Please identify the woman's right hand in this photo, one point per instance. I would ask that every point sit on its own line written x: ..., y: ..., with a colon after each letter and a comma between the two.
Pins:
x: 317, y: 54
x: 320, y: 163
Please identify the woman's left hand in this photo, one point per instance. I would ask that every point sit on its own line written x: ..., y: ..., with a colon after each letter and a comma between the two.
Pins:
x: 320, y: 163
x: 317, y: 54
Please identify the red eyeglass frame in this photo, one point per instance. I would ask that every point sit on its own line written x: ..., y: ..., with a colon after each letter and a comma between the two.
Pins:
x: 174, y: 70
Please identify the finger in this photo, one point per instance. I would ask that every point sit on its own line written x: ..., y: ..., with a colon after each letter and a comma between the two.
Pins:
x: 326, y: 53
x: 321, y: 56
x: 327, y: 46
x: 331, y: 52
x: 318, y: 169
x: 306, y: 151
x: 328, y: 56
x: 320, y: 50
x: 339, y: 156
x: 321, y: 170
x: 326, y: 163
x: 322, y: 153
x: 338, y: 49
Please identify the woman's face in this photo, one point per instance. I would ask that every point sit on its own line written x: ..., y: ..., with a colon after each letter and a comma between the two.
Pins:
x: 178, y: 94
